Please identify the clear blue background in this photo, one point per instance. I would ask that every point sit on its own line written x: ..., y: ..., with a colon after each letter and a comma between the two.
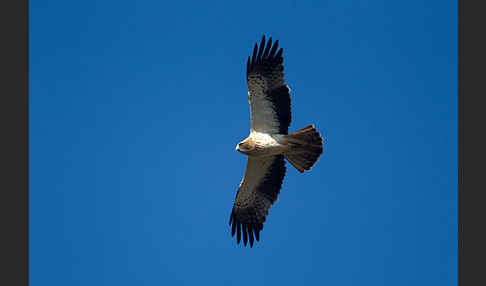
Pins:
x: 136, y: 107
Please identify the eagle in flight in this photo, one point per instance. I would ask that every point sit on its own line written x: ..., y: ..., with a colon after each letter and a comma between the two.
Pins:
x: 269, y: 143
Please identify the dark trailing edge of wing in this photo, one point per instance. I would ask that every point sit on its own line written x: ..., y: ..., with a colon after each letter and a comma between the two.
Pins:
x: 247, y: 223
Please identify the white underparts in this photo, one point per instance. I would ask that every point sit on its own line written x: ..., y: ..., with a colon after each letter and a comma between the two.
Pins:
x: 269, y: 144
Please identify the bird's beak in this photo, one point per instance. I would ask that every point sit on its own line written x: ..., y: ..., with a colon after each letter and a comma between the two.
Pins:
x: 236, y: 148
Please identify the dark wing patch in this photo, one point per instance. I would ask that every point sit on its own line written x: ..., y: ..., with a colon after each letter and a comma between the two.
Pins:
x: 273, y: 181
x: 280, y: 98
x: 266, y: 64
x: 247, y: 218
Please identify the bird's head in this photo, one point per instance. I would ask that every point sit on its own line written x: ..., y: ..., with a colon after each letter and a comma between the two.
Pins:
x: 245, y: 146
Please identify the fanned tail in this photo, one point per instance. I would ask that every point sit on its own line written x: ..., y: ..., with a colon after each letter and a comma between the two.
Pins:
x: 305, y: 148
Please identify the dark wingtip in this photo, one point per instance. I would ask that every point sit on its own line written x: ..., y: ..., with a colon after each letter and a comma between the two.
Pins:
x: 238, y: 233
x: 264, y: 53
x: 253, y: 59
x: 262, y: 44
x: 233, y: 229
x: 248, y: 66
x: 260, y: 50
x: 258, y: 228
x: 274, y: 49
x: 250, y: 233
x: 267, y: 48
x: 245, y: 235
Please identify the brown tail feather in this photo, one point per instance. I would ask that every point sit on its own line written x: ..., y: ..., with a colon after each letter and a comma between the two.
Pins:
x: 305, y: 148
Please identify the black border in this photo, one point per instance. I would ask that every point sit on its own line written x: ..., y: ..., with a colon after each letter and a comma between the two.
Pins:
x: 14, y: 120
x: 471, y: 143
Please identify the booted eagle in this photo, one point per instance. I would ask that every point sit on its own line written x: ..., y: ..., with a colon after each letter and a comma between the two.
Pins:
x: 269, y: 143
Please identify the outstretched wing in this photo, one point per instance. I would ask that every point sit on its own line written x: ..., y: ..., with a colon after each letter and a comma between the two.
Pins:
x: 268, y: 95
x: 258, y: 190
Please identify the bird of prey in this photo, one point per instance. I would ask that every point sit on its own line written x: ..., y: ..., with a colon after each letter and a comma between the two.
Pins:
x: 268, y: 143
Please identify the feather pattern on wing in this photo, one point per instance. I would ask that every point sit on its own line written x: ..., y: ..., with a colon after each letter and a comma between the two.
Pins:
x: 268, y: 95
x: 258, y: 190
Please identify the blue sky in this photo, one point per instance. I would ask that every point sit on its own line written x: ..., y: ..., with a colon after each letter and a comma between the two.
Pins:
x: 136, y: 107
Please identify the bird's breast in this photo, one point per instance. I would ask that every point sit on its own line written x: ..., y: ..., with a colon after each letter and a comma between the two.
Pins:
x: 266, y: 144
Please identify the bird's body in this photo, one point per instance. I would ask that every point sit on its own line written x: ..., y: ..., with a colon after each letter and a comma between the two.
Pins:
x: 260, y: 144
x: 268, y: 143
